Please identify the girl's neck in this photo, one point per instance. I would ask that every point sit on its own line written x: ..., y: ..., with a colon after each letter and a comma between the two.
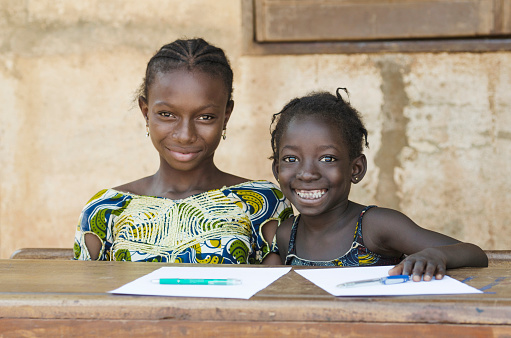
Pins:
x: 176, y: 184
x: 332, y: 220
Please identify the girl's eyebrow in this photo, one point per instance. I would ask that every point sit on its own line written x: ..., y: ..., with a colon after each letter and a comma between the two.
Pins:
x: 321, y: 147
x: 289, y: 147
x: 328, y: 146
x: 166, y: 104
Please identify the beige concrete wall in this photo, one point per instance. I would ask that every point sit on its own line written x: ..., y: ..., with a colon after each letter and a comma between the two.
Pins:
x: 439, y: 124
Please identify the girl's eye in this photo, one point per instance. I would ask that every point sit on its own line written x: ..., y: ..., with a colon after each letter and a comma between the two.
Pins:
x: 328, y: 159
x: 165, y: 114
x: 206, y: 117
x: 290, y: 159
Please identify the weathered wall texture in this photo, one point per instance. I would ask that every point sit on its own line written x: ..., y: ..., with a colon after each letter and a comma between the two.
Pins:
x: 439, y: 124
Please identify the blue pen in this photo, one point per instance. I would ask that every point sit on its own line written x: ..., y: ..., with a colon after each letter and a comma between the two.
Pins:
x: 197, y: 281
x: 382, y: 280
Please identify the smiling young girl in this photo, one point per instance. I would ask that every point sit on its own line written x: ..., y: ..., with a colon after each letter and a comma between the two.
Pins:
x: 189, y: 211
x: 317, y: 145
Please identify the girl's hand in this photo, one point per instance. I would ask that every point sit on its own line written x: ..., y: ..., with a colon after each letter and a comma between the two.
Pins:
x: 428, y: 263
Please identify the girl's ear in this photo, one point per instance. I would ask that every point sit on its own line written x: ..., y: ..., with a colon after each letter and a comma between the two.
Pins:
x: 359, y: 168
x: 275, y: 169
x: 228, y: 112
x: 142, y: 103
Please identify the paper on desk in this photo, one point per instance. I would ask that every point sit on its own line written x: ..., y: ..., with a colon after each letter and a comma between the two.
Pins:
x: 253, y: 281
x: 329, y: 278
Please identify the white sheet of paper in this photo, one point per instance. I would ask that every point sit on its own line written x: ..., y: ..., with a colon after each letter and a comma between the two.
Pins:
x: 329, y: 278
x: 253, y: 280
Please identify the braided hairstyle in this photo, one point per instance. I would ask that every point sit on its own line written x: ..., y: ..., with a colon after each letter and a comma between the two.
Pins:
x: 328, y: 107
x: 192, y: 54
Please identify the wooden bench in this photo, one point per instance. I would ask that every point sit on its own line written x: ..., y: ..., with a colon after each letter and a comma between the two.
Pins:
x: 43, y: 253
x: 498, y: 255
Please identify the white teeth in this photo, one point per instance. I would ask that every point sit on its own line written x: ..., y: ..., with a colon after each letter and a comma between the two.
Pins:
x: 310, y: 194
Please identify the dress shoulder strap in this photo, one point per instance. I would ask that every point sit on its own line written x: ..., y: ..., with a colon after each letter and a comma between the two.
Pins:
x: 291, y: 251
x: 358, y: 231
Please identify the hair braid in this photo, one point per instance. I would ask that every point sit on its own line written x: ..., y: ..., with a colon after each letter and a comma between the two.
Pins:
x: 192, y: 55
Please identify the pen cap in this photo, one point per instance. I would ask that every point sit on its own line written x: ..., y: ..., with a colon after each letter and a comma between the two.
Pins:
x: 395, y: 279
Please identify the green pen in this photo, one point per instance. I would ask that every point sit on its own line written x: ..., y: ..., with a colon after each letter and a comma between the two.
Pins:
x: 197, y: 281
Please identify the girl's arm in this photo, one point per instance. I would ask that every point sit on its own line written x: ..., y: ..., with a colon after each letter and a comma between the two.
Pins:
x: 94, y: 245
x: 269, y: 229
x: 282, y: 237
x: 430, y: 253
x: 272, y: 259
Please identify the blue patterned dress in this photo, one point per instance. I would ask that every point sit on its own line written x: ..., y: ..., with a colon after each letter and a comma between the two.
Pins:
x: 357, y: 255
x: 222, y: 226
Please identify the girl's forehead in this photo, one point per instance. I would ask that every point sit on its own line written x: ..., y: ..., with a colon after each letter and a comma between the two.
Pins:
x: 311, y: 128
x: 178, y: 74
x: 312, y: 122
x: 183, y: 79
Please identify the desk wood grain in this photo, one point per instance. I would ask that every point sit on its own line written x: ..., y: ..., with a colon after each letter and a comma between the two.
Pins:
x: 69, y: 297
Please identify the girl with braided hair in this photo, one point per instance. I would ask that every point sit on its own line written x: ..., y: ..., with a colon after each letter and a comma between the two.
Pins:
x: 189, y: 211
x: 317, y: 143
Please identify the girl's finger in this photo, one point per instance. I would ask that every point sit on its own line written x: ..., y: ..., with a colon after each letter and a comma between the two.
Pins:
x: 430, y: 271
x: 440, y: 272
x: 408, y: 265
x: 418, y: 270
x: 396, y: 270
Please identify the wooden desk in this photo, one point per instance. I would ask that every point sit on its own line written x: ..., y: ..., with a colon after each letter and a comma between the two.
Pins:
x: 67, y: 298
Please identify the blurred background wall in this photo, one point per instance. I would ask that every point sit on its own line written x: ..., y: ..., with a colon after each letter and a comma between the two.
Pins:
x: 69, y: 126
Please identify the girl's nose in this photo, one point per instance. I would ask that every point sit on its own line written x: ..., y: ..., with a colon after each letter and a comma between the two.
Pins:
x: 185, y: 132
x: 308, y: 172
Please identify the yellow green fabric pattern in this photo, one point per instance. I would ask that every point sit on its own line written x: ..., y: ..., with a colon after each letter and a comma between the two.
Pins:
x: 220, y: 226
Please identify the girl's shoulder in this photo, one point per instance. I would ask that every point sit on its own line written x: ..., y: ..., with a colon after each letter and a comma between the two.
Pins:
x: 138, y: 187
x: 383, y: 216
x: 108, y: 197
x: 255, y: 184
x: 381, y: 226
x: 263, y: 187
x: 104, y: 203
x: 263, y: 193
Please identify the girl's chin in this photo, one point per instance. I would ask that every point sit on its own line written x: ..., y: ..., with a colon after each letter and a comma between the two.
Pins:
x: 308, y: 209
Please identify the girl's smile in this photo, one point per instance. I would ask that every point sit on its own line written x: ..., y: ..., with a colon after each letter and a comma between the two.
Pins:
x: 184, y: 156
x: 310, y: 194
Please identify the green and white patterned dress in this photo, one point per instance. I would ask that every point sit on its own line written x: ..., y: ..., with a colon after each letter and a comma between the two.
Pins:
x: 222, y: 226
